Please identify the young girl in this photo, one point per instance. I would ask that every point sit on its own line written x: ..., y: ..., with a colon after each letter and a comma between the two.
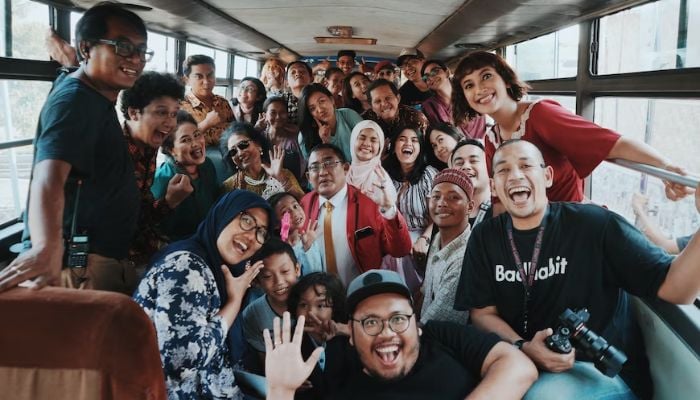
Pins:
x: 300, y: 234
x: 366, y: 172
x: 484, y: 84
x: 320, y: 298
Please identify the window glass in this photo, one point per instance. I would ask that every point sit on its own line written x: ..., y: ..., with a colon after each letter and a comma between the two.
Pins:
x: 20, y: 104
x: 669, y: 126
x: 30, y: 21
x: 164, y: 57
x: 15, y: 168
x: 220, y: 90
x: 550, y: 56
x: 660, y: 35
x: 252, y: 68
x: 240, y: 67
x: 220, y: 57
x: 74, y: 18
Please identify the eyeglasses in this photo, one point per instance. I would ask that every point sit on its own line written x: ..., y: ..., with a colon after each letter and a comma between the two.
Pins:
x: 127, y: 49
x: 328, y: 164
x: 247, y: 223
x: 373, y: 326
x: 242, y: 145
x: 432, y: 73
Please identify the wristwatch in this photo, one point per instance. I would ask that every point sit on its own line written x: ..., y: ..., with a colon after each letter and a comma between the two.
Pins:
x: 518, y: 344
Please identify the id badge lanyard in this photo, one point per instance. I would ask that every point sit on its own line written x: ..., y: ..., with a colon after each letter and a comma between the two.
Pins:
x: 528, y: 278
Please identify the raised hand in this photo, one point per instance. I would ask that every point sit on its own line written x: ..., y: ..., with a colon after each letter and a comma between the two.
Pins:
x: 676, y: 191
x: 261, y: 123
x: 179, y: 187
x: 212, y: 119
x: 324, y: 131
x: 285, y: 369
x: 237, y: 286
x: 385, y: 201
x: 276, y: 159
x: 309, y: 235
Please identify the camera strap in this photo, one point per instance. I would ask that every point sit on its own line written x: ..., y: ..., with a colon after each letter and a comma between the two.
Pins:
x: 528, y: 278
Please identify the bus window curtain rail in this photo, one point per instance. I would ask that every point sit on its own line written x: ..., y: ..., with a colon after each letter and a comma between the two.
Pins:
x: 687, y: 180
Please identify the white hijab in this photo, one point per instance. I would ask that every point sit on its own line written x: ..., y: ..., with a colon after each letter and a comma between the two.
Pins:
x: 362, y: 174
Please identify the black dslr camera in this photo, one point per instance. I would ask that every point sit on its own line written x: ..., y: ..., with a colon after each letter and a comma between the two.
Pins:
x: 572, y: 329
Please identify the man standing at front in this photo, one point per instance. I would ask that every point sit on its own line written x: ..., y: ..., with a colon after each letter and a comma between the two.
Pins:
x: 583, y: 255
x: 81, y: 163
x: 355, y: 233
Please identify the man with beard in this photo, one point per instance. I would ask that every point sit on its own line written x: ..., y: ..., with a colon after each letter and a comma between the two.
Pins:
x: 401, y: 360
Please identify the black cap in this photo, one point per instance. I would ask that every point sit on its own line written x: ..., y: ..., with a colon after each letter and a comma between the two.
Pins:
x: 374, y: 282
x: 350, y: 53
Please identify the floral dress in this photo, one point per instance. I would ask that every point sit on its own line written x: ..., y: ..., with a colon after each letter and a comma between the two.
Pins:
x: 179, y: 295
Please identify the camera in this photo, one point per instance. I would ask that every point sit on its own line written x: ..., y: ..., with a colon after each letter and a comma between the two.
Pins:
x: 572, y: 330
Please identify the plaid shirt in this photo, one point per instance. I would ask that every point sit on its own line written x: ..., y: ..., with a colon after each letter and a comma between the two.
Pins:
x: 146, y: 241
x: 199, y: 111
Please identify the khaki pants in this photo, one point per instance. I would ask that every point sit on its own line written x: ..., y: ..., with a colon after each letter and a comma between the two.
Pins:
x: 102, y: 273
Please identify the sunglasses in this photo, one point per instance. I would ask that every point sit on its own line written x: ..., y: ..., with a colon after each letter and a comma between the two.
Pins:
x: 242, y: 145
x: 432, y: 73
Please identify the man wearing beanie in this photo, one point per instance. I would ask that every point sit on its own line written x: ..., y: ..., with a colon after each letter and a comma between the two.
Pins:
x: 402, y: 360
x: 449, y: 203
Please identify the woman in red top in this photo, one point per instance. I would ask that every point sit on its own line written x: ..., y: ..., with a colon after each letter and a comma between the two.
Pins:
x: 484, y: 84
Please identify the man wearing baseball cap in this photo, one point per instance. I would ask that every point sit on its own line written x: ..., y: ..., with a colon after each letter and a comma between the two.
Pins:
x: 414, y: 92
x: 386, y: 70
x: 401, y: 360
x: 450, y: 202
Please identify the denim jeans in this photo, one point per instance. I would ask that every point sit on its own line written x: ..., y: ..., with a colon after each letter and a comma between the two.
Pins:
x: 583, y: 381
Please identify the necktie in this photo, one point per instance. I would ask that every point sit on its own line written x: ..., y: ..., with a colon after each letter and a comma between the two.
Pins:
x: 331, y: 267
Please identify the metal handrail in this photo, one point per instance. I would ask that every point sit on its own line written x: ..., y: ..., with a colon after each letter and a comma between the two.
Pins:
x: 687, y: 180
x: 15, y: 143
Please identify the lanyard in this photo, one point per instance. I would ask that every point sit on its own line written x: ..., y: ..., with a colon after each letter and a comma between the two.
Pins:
x: 527, y: 278
x: 483, y: 208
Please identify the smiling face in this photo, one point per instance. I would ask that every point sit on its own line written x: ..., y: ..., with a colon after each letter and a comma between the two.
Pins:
x: 273, y: 70
x: 314, y: 303
x: 449, y: 206
x: 411, y: 69
x: 437, y: 77
x: 442, y: 145
x: 244, y: 158
x: 155, y: 122
x: 277, y: 276
x: 387, y: 73
x: 189, y: 145
x: 359, y: 84
x: 520, y: 180
x: 247, y: 93
x: 367, y: 145
x: 389, y: 355
x: 346, y: 63
x: 472, y: 160
x: 485, y: 91
x: 288, y: 204
x: 334, y: 83
x: 108, y: 70
x: 298, y: 76
x: 235, y: 244
x: 276, y: 114
x: 328, y: 180
x: 321, y: 107
x: 201, y: 79
x: 407, y: 147
x: 385, y: 103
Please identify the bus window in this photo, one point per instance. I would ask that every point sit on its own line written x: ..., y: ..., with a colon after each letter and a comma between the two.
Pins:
x: 29, y: 22
x: 164, y: 57
x: 550, y: 56
x: 220, y: 57
x: 659, y: 35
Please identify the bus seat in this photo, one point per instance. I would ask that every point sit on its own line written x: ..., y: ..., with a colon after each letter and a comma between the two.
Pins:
x: 60, y: 343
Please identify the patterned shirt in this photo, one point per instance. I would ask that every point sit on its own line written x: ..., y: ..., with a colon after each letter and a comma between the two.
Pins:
x: 441, y: 279
x: 292, y: 107
x: 412, y: 199
x: 199, y: 111
x: 406, y: 116
x: 146, y: 241
x: 266, y: 188
x: 179, y: 295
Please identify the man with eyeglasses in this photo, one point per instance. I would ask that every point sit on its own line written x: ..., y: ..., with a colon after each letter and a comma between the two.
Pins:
x: 401, y: 360
x: 83, y: 188
x: 355, y: 232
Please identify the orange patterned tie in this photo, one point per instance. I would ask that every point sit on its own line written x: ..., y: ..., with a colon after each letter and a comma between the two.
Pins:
x: 331, y: 268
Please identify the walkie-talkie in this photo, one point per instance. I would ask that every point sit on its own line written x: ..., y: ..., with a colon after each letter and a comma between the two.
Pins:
x: 78, y: 246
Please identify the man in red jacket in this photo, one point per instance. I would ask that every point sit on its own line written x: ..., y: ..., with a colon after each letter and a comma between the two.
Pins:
x: 354, y: 232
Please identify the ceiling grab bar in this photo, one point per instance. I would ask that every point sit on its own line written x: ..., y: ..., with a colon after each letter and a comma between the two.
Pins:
x: 687, y: 180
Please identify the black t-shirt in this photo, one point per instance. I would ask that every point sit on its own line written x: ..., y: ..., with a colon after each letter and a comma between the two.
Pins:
x: 588, y: 254
x: 412, y: 96
x: 448, y: 367
x: 80, y: 126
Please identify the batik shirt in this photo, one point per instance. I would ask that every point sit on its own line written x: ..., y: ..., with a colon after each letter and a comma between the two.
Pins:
x: 199, y: 111
x: 405, y: 117
x: 146, y: 240
x: 179, y: 295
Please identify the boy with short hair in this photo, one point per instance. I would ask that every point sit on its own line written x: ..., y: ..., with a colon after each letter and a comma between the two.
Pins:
x: 277, y: 276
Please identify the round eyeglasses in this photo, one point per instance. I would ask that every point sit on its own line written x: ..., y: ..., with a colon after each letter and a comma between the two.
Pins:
x: 373, y: 326
x: 248, y: 223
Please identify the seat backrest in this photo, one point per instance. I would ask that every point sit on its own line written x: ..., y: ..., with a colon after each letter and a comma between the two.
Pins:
x: 60, y: 343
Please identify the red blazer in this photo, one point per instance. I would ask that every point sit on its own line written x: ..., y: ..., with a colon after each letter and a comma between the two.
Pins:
x: 369, y: 234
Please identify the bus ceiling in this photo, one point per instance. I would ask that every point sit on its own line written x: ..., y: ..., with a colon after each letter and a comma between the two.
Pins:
x: 444, y: 29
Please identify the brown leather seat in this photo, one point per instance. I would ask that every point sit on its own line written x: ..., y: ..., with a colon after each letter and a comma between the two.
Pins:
x: 60, y: 343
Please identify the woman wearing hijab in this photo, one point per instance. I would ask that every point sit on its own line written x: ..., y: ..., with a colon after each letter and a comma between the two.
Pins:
x: 366, y: 172
x: 194, y: 291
